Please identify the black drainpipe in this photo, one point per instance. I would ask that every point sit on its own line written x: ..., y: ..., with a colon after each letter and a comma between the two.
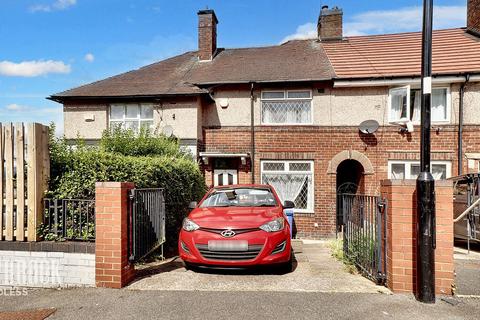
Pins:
x: 460, y: 125
x: 252, y: 130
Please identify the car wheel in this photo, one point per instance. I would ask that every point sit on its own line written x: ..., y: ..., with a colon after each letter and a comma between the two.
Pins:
x: 189, y: 266
x: 286, y: 267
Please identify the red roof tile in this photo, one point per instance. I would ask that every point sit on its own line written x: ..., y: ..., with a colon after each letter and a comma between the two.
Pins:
x: 377, y: 56
x: 392, y: 55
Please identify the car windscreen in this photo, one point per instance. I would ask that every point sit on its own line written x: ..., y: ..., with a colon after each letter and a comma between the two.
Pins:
x: 240, y: 197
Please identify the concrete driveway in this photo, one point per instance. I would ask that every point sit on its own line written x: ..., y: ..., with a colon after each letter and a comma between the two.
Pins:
x: 315, y: 271
x: 467, y: 269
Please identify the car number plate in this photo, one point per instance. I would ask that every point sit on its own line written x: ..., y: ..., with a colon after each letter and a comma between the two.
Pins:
x: 228, y: 245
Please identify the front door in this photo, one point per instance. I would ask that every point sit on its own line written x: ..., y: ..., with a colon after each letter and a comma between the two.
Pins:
x: 222, y: 177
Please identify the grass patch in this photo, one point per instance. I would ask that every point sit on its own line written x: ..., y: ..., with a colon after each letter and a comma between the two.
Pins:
x: 336, y: 248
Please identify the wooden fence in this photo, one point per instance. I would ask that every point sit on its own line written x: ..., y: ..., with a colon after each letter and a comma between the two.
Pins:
x: 24, y: 175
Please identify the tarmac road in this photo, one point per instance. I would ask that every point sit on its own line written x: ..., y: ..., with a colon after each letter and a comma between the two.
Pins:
x: 107, y: 304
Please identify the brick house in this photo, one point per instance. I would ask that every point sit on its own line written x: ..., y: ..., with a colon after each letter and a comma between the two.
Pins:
x: 289, y: 114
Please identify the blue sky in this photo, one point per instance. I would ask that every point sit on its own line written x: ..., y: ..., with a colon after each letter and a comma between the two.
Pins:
x: 48, y: 46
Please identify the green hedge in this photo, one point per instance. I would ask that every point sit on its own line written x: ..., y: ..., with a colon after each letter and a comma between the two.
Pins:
x: 74, y: 172
x: 141, y: 144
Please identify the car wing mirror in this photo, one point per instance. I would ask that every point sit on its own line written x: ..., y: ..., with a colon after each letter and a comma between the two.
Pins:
x: 192, y: 205
x: 288, y: 204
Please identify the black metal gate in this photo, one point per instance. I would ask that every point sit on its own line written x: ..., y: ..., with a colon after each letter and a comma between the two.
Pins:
x: 146, y: 223
x: 364, y: 233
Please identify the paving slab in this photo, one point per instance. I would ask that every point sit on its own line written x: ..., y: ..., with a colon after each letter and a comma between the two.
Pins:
x: 315, y: 270
x: 467, y: 270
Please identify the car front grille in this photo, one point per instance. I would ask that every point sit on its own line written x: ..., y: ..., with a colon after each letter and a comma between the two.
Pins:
x: 237, y: 231
x: 252, y: 253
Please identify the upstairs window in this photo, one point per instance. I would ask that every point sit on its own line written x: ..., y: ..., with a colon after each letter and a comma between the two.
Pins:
x: 291, y: 107
x: 131, y: 116
x: 405, y: 104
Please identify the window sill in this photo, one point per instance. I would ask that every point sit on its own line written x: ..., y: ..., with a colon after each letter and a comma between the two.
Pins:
x: 402, y: 122
x: 307, y: 212
x: 287, y: 124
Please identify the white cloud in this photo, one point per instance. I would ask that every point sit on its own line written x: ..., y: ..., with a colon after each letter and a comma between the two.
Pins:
x: 304, y: 31
x: 405, y: 19
x: 32, y: 68
x: 89, y: 57
x: 26, y: 113
x: 16, y: 107
x: 55, y: 6
x: 375, y: 22
x: 40, y: 112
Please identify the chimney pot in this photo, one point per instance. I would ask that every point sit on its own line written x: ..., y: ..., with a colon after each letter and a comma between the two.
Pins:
x: 207, y: 34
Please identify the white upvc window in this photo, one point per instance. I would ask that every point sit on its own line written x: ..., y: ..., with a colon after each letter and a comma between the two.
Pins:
x: 404, y: 104
x: 292, y: 180
x: 401, y: 169
x: 287, y: 107
x: 131, y: 116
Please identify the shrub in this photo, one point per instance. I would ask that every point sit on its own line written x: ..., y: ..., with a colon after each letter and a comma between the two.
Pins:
x: 145, y: 143
x: 74, y: 171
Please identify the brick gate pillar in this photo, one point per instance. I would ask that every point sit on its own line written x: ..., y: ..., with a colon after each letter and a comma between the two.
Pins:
x: 112, y: 268
x: 401, y: 234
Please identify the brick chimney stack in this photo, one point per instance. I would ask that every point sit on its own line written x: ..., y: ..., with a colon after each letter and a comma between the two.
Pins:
x: 207, y: 35
x: 473, y: 16
x: 330, y: 24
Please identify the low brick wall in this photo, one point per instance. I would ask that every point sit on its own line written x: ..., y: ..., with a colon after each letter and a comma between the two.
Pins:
x: 401, y: 236
x: 113, y: 269
x: 27, y: 265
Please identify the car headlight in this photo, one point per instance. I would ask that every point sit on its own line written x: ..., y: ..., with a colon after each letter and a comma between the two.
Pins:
x: 274, y: 225
x: 189, y: 225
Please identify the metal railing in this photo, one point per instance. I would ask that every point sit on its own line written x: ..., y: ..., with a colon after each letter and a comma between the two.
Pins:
x: 364, y: 233
x: 146, y: 223
x: 467, y: 208
x: 69, y: 219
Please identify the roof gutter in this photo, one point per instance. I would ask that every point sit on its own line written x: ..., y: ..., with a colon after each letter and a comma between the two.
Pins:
x: 460, y: 124
x: 371, y: 82
x: 61, y: 99
x: 215, y: 83
x: 252, y: 130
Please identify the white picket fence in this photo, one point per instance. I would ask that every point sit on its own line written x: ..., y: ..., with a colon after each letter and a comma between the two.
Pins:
x: 23, y: 179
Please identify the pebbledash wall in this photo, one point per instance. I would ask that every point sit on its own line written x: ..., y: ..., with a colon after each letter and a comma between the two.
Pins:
x: 322, y: 144
x: 47, y: 264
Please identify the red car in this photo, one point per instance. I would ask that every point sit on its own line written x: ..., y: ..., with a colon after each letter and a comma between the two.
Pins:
x: 237, y: 226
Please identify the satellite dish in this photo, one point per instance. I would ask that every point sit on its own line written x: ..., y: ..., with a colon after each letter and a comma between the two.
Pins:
x: 368, y: 126
x: 167, y: 131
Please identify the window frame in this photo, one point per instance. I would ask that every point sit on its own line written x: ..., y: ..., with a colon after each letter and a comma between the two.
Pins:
x: 286, y: 98
x: 124, y: 118
x: 311, y: 203
x: 448, y: 166
x: 409, y: 95
x: 448, y: 101
x: 401, y: 120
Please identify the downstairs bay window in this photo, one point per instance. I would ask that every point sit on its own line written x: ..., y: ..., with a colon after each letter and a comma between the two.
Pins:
x: 292, y: 180
x: 399, y: 170
x: 404, y: 104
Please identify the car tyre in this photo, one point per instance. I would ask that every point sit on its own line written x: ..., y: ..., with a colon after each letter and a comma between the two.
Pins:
x: 286, y: 267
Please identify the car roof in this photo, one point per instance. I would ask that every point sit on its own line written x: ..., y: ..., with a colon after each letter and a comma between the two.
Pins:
x: 239, y: 186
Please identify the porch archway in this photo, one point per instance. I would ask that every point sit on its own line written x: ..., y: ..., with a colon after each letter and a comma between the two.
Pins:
x: 350, y: 155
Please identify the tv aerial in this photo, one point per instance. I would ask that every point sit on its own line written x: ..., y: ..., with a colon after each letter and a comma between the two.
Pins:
x: 368, y: 126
